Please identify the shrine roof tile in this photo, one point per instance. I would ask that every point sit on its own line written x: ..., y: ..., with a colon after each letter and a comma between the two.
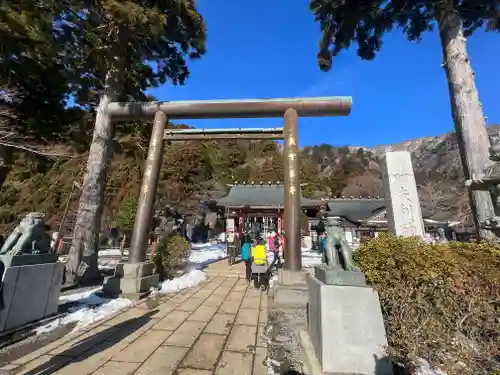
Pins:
x: 260, y: 196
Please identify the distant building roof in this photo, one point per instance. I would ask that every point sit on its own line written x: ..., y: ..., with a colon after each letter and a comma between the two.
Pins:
x: 362, y: 209
x: 355, y: 209
x: 264, y: 195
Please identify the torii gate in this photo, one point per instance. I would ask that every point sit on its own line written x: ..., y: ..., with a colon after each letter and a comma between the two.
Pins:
x: 290, y: 109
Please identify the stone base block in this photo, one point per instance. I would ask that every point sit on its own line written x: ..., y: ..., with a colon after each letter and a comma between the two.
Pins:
x: 290, y: 295
x: 286, y: 277
x: 291, y: 288
x: 331, y: 276
x: 134, y: 270
x: 30, y: 293
x: 347, y: 329
x: 131, y: 280
x: 27, y: 259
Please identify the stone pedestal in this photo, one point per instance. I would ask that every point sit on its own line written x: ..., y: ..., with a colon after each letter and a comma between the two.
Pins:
x: 29, y: 292
x: 27, y: 259
x: 131, y: 280
x: 337, y: 276
x: 291, y: 288
x: 347, y: 329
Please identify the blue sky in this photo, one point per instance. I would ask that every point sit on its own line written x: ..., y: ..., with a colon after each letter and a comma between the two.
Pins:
x: 266, y: 49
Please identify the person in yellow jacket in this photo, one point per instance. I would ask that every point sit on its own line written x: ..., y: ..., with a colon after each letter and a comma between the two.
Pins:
x: 259, y: 253
x: 259, y: 263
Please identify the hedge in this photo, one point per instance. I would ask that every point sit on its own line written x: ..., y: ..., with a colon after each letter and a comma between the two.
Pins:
x: 441, y: 302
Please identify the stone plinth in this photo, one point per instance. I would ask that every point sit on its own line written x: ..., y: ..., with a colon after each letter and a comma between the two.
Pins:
x: 404, y: 216
x: 131, y: 280
x: 27, y: 259
x: 29, y: 293
x: 347, y: 329
x: 291, y: 288
x: 337, y: 276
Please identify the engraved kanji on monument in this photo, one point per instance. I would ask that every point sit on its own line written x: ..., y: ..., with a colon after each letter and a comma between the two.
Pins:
x: 404, y: 216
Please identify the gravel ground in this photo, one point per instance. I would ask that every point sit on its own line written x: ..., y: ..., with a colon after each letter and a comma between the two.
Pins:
x: 284, y: 349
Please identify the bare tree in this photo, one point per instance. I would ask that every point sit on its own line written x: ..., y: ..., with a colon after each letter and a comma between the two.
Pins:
x: 436, y: 196
x: 363, y: 185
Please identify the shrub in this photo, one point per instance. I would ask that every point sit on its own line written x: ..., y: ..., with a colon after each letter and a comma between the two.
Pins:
x: 440, y: 302
x: 172, y: 252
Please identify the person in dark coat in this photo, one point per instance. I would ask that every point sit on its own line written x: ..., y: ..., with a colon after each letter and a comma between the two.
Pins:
x: 320, y: 229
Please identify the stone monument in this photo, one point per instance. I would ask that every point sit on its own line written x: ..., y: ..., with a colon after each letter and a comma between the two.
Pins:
x: 403, y: 206
x: 31, y: 281
x: 489, y: 180
x: 344, y: 317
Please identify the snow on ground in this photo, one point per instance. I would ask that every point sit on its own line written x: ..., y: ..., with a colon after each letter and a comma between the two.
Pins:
x: 90, y: 307
x: 310, y: 258
x: 205, y: 253
x: 188, y: 280
x: 113, y: 252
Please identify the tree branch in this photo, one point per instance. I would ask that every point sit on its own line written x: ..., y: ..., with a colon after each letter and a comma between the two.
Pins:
x: 31, y: 150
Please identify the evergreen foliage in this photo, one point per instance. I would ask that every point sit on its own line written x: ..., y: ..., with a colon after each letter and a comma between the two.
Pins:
x: 366, y: 22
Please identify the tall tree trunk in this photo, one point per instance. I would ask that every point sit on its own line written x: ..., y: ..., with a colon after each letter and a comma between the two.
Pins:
x: 82, y: 266
x: 5, y: 163
x: 466, y: 110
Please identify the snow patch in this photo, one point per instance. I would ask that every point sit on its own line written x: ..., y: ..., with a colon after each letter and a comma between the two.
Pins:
x: 90, y: 307
x: 206, y: 253
x: 310, y: 258
x: 207, y: 246
x: 188, y: 280
x: 113, y: 252
x: 88, y: 311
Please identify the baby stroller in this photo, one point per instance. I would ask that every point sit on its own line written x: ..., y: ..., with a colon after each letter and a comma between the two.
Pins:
x: 260, y: 266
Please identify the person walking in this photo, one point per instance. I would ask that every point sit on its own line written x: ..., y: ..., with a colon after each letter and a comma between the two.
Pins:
x: 276, y: 247
x: 283, y: 243
x: 259, y: 260
x: 231, y: 247
x: 246, y: 257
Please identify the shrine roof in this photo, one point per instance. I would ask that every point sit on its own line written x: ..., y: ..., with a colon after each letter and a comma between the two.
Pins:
x: 355, y: 209
x: 261, y: 195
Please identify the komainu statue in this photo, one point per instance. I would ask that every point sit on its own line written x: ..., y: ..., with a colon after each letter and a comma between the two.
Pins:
x: 337, y: 252
x: 29, y: 237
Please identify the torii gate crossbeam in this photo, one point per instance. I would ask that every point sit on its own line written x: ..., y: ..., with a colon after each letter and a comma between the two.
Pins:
x: 290, y: 109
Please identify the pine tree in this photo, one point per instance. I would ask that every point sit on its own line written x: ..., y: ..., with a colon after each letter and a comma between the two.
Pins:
x: 119, y: 49
x: 365, y: 23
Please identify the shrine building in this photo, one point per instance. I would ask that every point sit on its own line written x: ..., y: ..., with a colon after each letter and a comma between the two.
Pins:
x: 259, y: 207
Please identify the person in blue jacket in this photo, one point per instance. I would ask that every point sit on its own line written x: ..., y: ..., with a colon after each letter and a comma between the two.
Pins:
x: 246, y: 257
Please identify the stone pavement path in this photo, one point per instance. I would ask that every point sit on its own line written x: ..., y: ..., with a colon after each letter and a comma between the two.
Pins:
x: 222, y: 269
x: 215, y: 328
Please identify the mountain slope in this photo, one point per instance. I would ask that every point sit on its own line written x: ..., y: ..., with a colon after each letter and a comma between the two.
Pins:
x: 201, y: 170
